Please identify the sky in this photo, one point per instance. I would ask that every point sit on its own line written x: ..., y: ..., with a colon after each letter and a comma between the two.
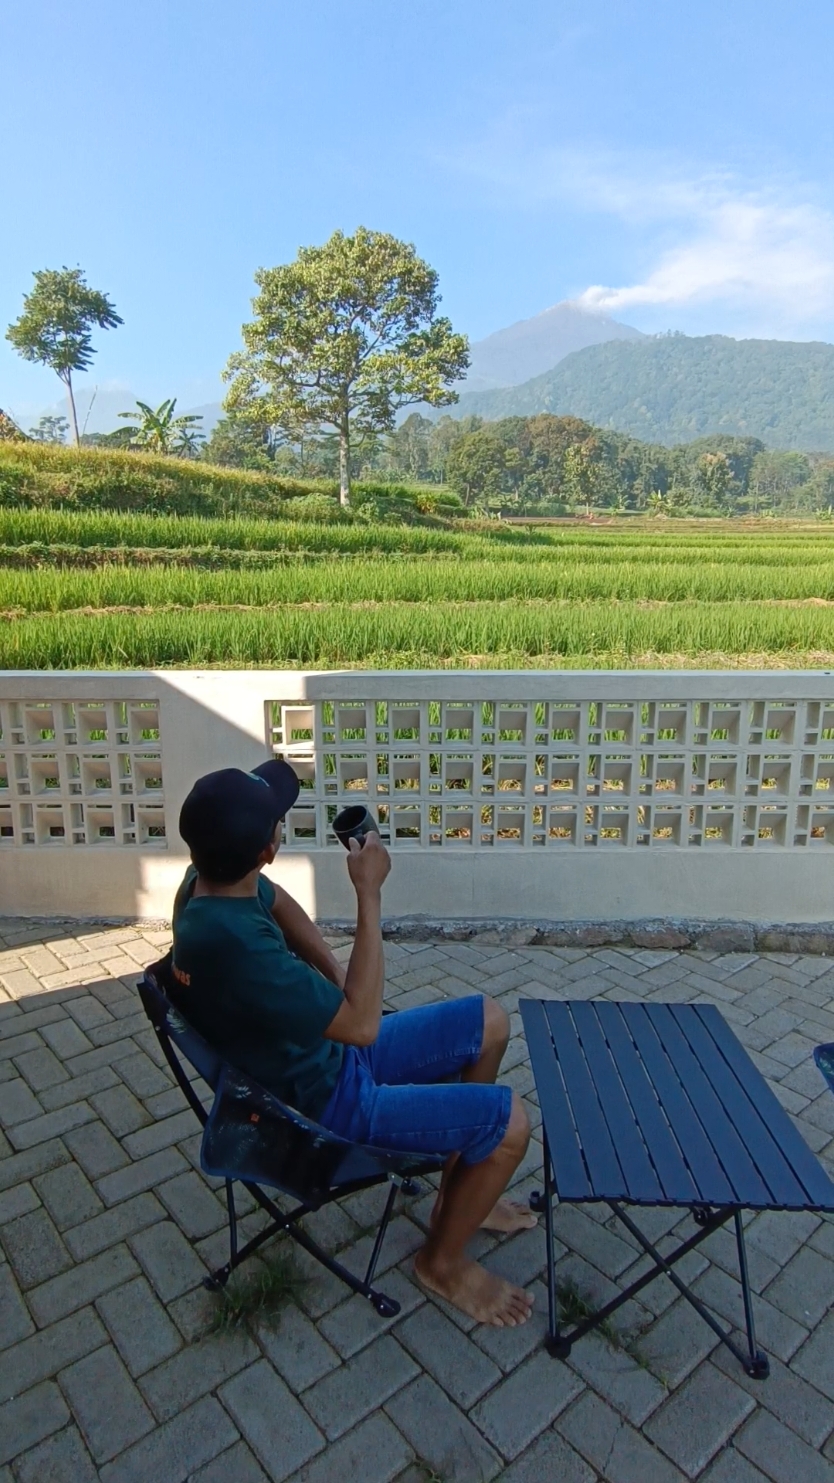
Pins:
x: 664, y: 162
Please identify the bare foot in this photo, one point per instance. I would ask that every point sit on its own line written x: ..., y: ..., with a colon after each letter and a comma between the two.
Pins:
x: 507, y: 1216
x: 471, y: 1288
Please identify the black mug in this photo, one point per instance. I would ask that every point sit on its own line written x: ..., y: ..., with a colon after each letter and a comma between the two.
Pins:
x: 354, y: 823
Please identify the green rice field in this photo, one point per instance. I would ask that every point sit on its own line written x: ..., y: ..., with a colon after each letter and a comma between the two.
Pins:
x: 102, y: 589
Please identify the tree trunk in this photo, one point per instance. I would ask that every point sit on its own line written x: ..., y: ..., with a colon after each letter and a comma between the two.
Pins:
x: 344, y: 465
x: 72, y: 408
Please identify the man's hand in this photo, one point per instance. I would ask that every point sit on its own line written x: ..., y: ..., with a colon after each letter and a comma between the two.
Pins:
x: 368, y: 865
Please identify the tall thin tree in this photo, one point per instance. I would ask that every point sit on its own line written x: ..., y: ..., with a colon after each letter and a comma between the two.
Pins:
x: 55, y: 328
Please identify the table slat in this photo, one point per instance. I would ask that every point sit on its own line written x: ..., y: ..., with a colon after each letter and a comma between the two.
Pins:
x: 569, y: 1172
x: 678, y: 1185
x: 600, y: 1155
x: 714, y: 1187
x: 747, y: 1183
x: 655, y: 1104
x: 819, y: 1189
x: 740, y: 1109
x: 641, y: 1181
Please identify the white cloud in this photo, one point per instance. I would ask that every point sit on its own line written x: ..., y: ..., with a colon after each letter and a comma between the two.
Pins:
x: 764, y: 252
x: 743, y: 249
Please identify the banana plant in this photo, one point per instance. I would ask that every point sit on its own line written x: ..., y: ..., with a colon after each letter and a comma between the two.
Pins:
x: 159, y: 431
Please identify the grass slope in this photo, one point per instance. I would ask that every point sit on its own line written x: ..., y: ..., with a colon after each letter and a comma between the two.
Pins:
x: 49, y: 476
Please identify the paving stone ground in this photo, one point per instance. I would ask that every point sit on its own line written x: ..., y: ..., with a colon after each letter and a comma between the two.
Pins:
x: 107, y: 1227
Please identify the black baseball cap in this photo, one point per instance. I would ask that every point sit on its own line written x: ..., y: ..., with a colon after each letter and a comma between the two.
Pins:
x: 230, y: 817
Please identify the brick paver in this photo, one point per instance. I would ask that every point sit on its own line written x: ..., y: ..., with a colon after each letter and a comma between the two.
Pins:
x: 107, y: 1368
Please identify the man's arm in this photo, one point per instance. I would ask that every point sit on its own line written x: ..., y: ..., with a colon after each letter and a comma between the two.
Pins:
x: 357, y: 1021
x: 304, y: 938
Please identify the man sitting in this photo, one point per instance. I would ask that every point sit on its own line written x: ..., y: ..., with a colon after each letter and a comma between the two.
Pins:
x: 255, y: 977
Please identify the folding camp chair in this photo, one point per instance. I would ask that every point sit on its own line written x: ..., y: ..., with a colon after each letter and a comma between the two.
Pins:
x: 253, y: 1138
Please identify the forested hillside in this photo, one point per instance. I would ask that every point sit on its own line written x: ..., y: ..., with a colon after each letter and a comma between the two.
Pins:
x: 673, y: 389
x: 551, y: 465
x: 562, y: 464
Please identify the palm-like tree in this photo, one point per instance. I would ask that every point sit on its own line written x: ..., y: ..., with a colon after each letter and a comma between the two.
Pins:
x: 189, y: 441
x: 160, y: 431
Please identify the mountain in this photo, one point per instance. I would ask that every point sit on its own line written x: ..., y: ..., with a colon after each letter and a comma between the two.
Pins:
x: 98, y: 408
x: 211, y: 413
x: 515, y: 354
x: 675, y: 388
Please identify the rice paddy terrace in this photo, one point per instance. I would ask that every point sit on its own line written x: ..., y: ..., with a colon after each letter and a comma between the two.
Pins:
x: 111, y: 590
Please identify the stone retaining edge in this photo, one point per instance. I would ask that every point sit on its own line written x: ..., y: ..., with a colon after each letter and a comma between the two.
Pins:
x: 718, y: 937
x: 662, y: 933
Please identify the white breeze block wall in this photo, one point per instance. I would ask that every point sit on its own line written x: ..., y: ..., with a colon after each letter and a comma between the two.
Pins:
x: 555, y: 795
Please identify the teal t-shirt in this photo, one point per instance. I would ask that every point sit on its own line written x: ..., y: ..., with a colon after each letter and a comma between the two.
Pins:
x: 241, y: 988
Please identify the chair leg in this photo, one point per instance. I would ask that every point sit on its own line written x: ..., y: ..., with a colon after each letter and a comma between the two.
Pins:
x: 218, y: 1279
x: 380, y: 1235
x: 758, y: 1365
x: 385, y: 1306
x: 230, y: 1206
x: 287, y: 1224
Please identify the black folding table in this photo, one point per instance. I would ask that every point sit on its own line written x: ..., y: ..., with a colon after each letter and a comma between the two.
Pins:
x: 659, y: 1104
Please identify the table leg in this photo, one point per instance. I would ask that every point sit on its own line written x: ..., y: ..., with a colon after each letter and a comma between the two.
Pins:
x: 755, y: 1362
x: 555, y: 1343
x: 757, y: 1366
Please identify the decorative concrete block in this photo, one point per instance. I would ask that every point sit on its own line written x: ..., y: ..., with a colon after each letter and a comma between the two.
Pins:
x: 43, y: 1354
x: 175, y: 1450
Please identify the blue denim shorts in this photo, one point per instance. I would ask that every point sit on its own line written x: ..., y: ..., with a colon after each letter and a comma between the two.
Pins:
x: 404, y: 1093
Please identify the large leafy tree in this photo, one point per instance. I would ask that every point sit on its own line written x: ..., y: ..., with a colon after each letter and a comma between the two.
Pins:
x: 580, y: 476
x: 237, y: 443
x: 442, y: 439
x: 775, y: 478
x: 408, y: 447
x: 157, y: 430
x: 821, y: 487
x: 481, y: 467
x: 714, y: 480
x: 55, y: 328
x: 342, y: 338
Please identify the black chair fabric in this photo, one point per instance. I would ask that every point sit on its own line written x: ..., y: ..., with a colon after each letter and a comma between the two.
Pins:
x: 250, y: 1134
